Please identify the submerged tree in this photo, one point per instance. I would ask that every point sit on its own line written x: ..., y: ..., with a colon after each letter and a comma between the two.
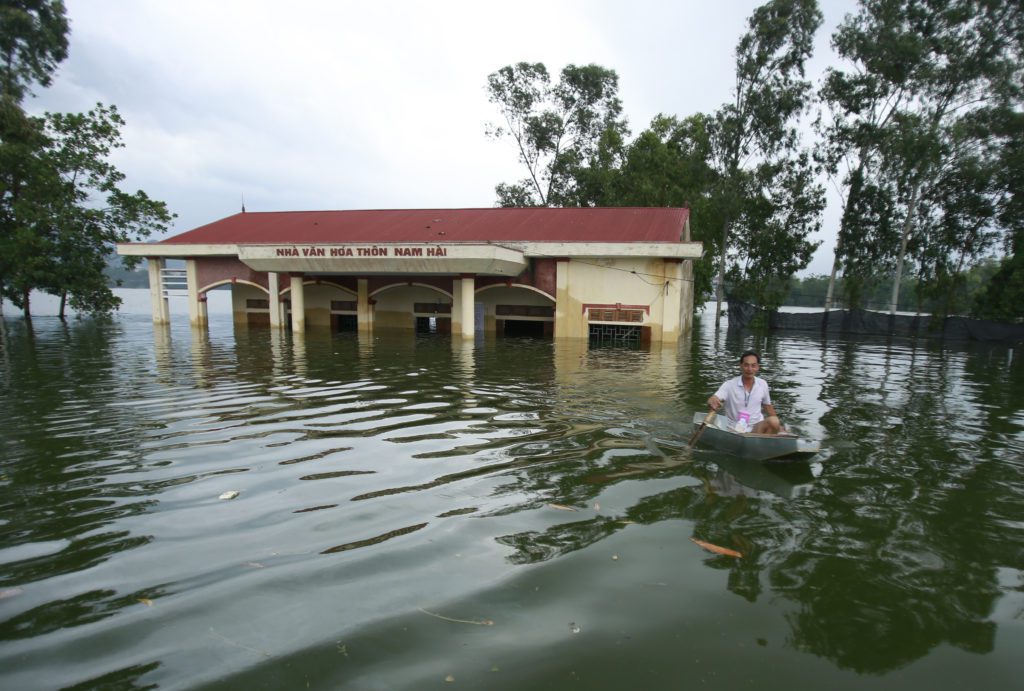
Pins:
x: 61, y: 205
x: 765, y: 193
x: 920, y: 70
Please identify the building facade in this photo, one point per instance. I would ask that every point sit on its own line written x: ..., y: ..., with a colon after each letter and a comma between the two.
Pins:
x: 562, y: 273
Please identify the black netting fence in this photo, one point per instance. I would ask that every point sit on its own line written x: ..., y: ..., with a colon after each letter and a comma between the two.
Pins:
x: 856, y: 321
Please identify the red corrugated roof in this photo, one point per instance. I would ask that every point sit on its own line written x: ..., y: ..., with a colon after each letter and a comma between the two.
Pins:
x: 443, y: 225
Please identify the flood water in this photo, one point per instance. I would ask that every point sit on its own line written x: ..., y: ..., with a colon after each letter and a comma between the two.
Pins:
x: 417, y: 513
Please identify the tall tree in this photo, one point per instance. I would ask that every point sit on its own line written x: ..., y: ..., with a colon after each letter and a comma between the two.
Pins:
x: 756, y: 150
x: 918, y: 68
x: 561, y: 130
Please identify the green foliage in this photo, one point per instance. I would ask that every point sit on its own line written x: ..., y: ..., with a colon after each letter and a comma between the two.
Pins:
x: 775, y: 225
x: 922, y: 134
x: 1002, y: 297
x: 919, y: 136
x: 62, y: 208
x: 765, y: 193
x: 33, y: 41
x: 566, y: 132
x: 668, y: 165
x: 69, y: 212
x: 973, y: 293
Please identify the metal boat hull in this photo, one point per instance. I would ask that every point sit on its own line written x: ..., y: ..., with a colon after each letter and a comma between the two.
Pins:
x: 755, y: 447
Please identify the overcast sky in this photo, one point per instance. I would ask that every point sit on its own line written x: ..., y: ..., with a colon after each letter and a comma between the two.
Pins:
x: 371, y: 105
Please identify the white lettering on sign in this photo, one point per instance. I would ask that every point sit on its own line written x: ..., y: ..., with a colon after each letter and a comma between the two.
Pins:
x: 372, y: 251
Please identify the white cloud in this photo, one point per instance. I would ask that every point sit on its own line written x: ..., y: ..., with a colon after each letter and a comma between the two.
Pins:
x: 315, y: 104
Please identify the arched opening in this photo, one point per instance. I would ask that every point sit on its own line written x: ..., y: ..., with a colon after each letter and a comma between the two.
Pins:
x: 517, y: 311
x: 418, y: 307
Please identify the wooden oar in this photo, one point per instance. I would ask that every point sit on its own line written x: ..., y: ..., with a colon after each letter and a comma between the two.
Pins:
x: 700, y: 430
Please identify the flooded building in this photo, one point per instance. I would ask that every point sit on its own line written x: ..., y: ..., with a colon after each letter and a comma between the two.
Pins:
x: 566, y: 273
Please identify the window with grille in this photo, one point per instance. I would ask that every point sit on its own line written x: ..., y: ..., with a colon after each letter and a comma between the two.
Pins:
x: 616, y: 334
x: 257, y: 304
x: 343, y: 305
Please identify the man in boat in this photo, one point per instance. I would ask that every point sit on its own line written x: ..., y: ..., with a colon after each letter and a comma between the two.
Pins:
x: 748, y: 393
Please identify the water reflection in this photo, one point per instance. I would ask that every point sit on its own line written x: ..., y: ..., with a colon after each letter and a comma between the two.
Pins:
x: 381, y: 476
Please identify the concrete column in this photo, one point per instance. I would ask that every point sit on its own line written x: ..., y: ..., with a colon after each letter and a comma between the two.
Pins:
x: 686, y: 297
x: 562, y: 317
x: 195, y: 314
x: 671, y: 313
x: 274, y: 288
x: 204, y: 312
x: 364, y: 310
x: 467, y: 310
x: 456, y: 307
x: 298, y: 305
x: 161, y: 310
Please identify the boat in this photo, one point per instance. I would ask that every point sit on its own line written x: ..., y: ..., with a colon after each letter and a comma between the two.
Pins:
x: 756, y: 447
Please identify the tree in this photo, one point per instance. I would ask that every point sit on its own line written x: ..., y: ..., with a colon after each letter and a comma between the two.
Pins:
x: 755, y: 152
x: 33, y: 41
x: 562, y: 130
x: 61, y: 205
x: 784, y: 207
x: 920, y: 70
x: 1003, y: 295
x: 668, y: 164
x: 71, y: 212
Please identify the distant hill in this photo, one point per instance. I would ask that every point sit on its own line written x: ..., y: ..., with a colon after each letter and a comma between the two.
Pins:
x: 120, y: 277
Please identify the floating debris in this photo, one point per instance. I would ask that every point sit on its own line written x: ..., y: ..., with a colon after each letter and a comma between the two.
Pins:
x: 230, y: 494
x: 615, y: 557
x: 725, y: 551
x: 477, y: 622
x: 561, y: 507
x: 450, y: 678
x: 146, y: 601
x: 574, y: 627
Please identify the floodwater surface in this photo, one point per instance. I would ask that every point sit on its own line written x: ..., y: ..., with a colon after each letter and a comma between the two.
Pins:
x: 414, y: 512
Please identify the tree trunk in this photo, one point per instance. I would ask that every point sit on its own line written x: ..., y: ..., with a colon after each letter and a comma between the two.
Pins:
x: 63, y: 302
x: 856, y: 183
x: 908, y: 223
x: 721, y: 271
x: 26, y: 307
x: 832, y: 279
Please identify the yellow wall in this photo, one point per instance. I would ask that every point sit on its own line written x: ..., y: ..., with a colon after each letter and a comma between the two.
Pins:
x: 611, y: 281
x: 491, y: 297
x: 393, y: 308
x: 318, y: 303
x: 240, y: 292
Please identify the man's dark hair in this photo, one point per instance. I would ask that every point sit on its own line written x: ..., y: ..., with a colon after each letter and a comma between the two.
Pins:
x: 751, y: 352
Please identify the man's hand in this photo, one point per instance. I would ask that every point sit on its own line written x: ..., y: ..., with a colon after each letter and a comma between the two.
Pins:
x: 714, y: 403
